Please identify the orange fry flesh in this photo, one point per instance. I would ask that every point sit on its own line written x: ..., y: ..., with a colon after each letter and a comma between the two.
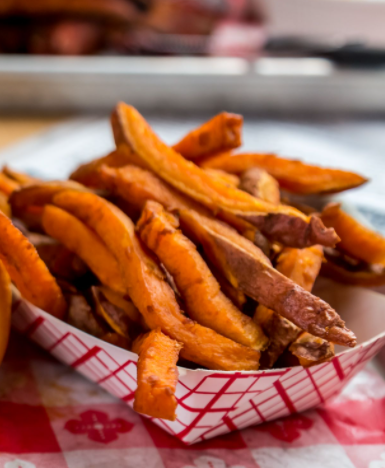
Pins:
x: 157, y: 376
x: 148, y: 289
x: 78, y: 238
x: 39, y: 194
x: 250, y: 271
x: 294, y: 176
x: 7, y: 185
x: 201, y: 292
x: 222, y: 132
x: 356, y: 239
x: 5, y: 309
x: 87, y: 174
x: 29, y: 273
x: 279, y: 222
x: 4, y: 205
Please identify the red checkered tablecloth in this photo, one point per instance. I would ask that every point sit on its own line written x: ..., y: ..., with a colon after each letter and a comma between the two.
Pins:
x: 50, y: 416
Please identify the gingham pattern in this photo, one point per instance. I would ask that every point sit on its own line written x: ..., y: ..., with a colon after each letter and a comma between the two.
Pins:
x: 209, y: 403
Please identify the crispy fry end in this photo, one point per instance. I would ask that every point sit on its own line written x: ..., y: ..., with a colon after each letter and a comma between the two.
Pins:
x: 157, y: 376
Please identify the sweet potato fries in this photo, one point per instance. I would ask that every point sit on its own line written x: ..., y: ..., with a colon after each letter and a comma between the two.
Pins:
x: 183, y: 253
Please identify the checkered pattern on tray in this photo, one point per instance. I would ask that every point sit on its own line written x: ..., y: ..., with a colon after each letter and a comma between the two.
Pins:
x: 210, y: 403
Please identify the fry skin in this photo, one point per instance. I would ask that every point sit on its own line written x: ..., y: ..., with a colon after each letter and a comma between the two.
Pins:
x: 281, y: 223
x: 356, y: 239
x: 222, y: 132
x: 28, y: 272
x: 148, y: 289
x: 88, y: 173
x: 260, y: 184
x: 293, y: 176
x: 203, y: 298
x: 157, y: 376
x: 78, y: 238
x: 249, y: 270
x: 5, y: 309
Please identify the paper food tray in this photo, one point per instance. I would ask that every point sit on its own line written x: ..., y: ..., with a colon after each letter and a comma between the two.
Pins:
x: 211, y: 403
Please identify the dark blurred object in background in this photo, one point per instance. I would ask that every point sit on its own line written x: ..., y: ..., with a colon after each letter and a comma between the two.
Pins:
x: 81, y: 27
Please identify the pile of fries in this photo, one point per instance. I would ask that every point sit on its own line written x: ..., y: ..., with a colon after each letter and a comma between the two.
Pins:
x: 186, y: 254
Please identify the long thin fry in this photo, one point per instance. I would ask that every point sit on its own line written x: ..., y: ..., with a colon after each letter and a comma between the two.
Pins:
x: 294, y: 176
x: 279, y: 222
x: 203, y: 298
x: 157, y: 376
x: 78, y: 238
x: 356, y: 239
x: 28, y: 271
x: 5, y: 309
x: 222, y: 132
x: 251, y: 272
x: 148, y: 290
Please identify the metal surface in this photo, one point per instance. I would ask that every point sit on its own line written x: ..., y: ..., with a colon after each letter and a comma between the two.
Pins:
x: 168, y: 84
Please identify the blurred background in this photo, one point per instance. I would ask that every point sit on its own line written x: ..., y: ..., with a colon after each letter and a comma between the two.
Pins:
x: 309, y: 76
x: 255, y: 56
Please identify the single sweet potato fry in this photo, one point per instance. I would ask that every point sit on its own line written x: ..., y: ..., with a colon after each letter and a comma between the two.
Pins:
x: 260, y: 184
x: 294, y: 176
x: 80, y: 239
x: 19, y: 177
x: 301, y: 266
x: 202, y: 296
x: 4, y: 205
x: 356, y: 239
x: 222, y: 132
x: 88, y: 173
x: 28, y: 271
x: 7, y: 185
x: 37, y: 195
x: 250, y: 271
x: 148, y: 289
x: 281, y: 223
x: 157, y: 376
x: 5, y: 309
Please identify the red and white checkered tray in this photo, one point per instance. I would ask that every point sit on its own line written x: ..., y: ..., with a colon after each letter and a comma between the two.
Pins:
x: 211, y: 403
